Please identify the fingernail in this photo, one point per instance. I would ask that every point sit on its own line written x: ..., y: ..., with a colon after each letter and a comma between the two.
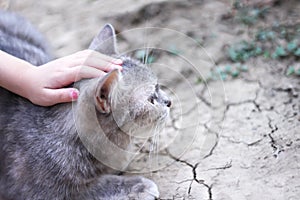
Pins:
x: 74, y: 94
x: 118, y: 62
x: 119, y: 67
x: 114, y: 66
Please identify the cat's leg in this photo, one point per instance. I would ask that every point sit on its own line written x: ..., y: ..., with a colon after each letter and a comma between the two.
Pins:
x: 110, y: 187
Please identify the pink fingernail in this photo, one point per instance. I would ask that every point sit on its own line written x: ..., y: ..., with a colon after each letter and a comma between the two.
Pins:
x: 74, y: 94
x: 114, y: 66
x: 118, y: 62
x: 119, y: 67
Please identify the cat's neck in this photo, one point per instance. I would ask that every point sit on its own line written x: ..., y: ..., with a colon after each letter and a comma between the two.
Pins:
x: 62, y: 118
x: 99, y: 132
x: 91, y: 121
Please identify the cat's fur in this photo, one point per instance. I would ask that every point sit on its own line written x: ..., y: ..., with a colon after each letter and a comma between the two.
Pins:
x: 42, y: 155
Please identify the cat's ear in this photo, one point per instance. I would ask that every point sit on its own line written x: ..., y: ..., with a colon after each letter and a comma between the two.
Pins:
x: 105, y: 41
x: 104, y: 91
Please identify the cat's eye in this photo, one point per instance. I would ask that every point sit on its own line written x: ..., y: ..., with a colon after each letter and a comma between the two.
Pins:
x: 102, y: 96
x: 168, y: 103
x: 151, y: 99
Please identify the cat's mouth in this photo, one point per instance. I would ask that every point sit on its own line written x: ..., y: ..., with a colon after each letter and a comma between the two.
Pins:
x: 150, y: 118
x: 144, y: 128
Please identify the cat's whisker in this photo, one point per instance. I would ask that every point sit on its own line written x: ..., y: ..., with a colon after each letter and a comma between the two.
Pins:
x: 155, y: 145
x: 156, y: 139
x: 145, y: 47
x: 147, y: 56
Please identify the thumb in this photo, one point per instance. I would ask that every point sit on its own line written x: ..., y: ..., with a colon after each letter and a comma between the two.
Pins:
x: 63, y: 95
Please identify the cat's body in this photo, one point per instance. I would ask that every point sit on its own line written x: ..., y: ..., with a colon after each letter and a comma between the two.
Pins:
x: 42, y: 155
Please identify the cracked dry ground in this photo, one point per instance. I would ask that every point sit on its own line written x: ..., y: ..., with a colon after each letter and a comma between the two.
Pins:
x: 251, y: 151
x: 231, y: 140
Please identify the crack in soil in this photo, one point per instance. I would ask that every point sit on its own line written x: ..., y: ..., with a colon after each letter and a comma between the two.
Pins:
x: 231, y: 140
x: 290, y: 90
x: 253, y: 101
x: 194, y: 167
x: 207, y: 103
x: 216, y: 141
x: 174, y: 119
x: 277, y: 149
x: 179, y: 160
x: 201, y: 182
x: 226, y: 166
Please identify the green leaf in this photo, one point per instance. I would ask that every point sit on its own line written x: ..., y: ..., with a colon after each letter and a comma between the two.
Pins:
x: 262, y: 36
x: 140, y: 54
x: 297, y: 72
x: 212, y: 76
x: 223, y: 76
x: 246, y: 56
x: 235, y: 73
x: 274, y: 55
x: 258, y: 51
x: 255, y: 12
x: 283, y: 32
x: 244, y: 68
x: 144, y: 56
x: 227, y: 68
x: 270, y: 35
x: 290, y: 70
x: 248, y: 20
x: 199, y: 80
x: 297, y: 52
x: 219, y: 70
x: 265, y: 35
x: 149, y: 59
x: 266, y: 54
x: 280, y: 52
x: 291, y: 46
x: 233, y: 54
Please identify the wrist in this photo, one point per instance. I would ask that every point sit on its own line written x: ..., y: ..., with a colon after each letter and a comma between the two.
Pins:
x: 15, y: 74
x: 25, y: 80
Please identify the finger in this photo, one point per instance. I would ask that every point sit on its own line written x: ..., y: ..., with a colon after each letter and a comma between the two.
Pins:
x: 101, y: 56
x: 101, y: 64
x: 101, y: 61
x: 81, y: 72
x: 90, y: 58
x: 107, y: 58
x: 74, y: 74
x: 62, y: 95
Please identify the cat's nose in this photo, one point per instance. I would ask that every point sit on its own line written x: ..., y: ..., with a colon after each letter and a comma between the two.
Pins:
x: 168, y: 103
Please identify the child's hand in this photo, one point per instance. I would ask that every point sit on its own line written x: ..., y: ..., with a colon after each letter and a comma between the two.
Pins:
x: 44, y: 84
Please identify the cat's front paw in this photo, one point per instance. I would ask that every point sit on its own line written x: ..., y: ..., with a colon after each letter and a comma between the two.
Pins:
x: 144, y: 189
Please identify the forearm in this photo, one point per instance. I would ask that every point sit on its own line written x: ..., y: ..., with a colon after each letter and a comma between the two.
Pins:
x: 14, y: 73
x: 44, y: 85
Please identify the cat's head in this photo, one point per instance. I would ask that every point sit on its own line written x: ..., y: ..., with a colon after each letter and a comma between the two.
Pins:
x: 132, y: 96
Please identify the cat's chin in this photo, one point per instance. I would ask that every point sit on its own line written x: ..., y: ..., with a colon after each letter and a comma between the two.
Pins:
x: 142, y: 131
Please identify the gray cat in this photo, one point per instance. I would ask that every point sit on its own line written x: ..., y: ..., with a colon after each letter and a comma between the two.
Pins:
x: 42, y: 151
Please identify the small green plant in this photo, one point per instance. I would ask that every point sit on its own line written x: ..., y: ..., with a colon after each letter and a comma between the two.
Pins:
x: 250, y: 16
x: 265, y: 35
x: 224, y: 72
x: 264, y: 43
x: 292, y: 46
x: 243, y: 50
x: 279, y: 52
x: 297, y: 52
x: 292, y: 70
x: 279, y: 41
x: 145, y: 56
